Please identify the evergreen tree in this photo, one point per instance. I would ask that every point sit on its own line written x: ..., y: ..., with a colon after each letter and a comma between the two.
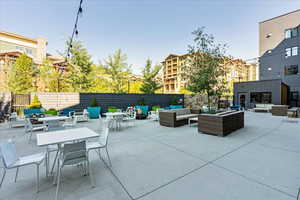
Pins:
x: 22, y: 76
x: 80, y: 66
x: 150, y: 85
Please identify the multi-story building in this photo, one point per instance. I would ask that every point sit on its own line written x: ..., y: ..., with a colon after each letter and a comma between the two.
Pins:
x: 279, y: 41
x: 13, y: 45
x: 173, y: 81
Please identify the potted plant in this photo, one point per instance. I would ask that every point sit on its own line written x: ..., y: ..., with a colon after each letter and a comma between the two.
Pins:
x: 51, y: 111
x: 94, y: 110
x: 141, y: 107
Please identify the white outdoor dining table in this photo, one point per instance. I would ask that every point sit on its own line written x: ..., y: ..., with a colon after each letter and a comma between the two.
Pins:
x: 63, y: 136
x: 114, y: 114
x: 53, y: 118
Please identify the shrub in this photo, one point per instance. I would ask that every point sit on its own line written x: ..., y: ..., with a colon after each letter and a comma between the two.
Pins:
x: 112, y: 109
x: 94, y: 102
x: 155, y: 108
x: 51, y: 111
x: 174, y: 101
x: 141, y: 101
x: 35, y: 103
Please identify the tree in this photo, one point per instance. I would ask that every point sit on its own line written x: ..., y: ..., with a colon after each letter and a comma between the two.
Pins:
x: 118, y: 70
x: 22, y: 76
x: 35, y: 103
x: 99, y: 80
x: 203, y: 69
x: 150, y: 85
x: 51, y: 79
x: 80, y: 66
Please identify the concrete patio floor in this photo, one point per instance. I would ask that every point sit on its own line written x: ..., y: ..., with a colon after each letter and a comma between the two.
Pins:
x: 151, y: 162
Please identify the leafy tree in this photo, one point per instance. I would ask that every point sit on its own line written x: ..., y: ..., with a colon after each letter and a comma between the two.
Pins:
x: 203, y: 70
x: 51, y: 79
x: 99, y: 80
x: 22, y: 75
x: 118, y: 71
x: 80, y: 66
x: 150, y: 85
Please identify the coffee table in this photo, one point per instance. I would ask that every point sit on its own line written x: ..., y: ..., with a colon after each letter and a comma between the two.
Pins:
x: 192, y: 120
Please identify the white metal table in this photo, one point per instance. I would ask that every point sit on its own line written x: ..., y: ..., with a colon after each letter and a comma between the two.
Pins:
x: 114, y: 116
x: 192, y: 120
x: 52, y: 118
x: 63, y: 136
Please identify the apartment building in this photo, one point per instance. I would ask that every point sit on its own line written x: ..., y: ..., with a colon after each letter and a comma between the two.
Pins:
x: 279, y: 41
x: 13, y: 45
x: 173, y: 82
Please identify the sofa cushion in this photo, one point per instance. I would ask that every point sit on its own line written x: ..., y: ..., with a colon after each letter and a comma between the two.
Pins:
x: 181, y: 117
x: 182, y: 111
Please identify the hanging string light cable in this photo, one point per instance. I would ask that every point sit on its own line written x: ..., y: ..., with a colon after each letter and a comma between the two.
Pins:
x: 75, y: 29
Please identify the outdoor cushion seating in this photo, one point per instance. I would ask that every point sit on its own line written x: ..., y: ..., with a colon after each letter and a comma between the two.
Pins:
x: 28, y: 112
x: 279, y: 110
x: 66, y: 112
x: 175, y: 106
x: 220, y: 124
x: 262, y: 107
x: 176, y: 117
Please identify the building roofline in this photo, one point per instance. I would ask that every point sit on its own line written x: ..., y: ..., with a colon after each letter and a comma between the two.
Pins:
x: 244, y: 82
x: 279, y: 16
x: 18, y: 36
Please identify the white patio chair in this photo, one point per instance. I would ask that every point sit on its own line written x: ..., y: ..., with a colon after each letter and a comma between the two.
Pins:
x: 130, y: 118
x: 102, y: 143
x: 72, y: 154
x: 14, y: 121
x: 11, y: 160
x: 54, y: 125
x: 71, y: 123
x: 29, y: 127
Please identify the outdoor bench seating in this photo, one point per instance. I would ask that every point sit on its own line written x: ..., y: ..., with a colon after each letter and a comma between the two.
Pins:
x: 176, y: 117
x: 221, y: 124
x: 262, y: 107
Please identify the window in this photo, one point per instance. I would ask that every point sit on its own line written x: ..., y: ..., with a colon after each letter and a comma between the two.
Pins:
x: 291, y: 33
x: 294, y: 96
x: 294, y: 51
x: 291, y: 70
x: 29, y: 51
x: 261, y: 97
x: 288, y: 52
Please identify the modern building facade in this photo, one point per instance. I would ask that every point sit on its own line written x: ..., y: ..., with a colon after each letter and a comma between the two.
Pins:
x: 14, y: 45
x: 279, y: 41
x: 173, y: 81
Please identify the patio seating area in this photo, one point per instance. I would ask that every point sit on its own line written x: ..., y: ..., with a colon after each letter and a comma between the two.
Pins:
x: 154, y: 162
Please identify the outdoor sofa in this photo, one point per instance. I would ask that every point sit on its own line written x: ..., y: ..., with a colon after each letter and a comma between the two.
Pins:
x: 221, y: 124
x: 279, y: 110
x: 177, y: 117
x: 260, y: 107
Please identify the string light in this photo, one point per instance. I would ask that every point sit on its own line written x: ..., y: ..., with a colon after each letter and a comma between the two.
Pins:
x: 75, y: 29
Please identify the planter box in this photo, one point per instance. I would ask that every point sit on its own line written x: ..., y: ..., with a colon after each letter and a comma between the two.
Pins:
x: 279, y: 110
x: 94, y: 112
x: 175, y: 106
x: 221, y: 124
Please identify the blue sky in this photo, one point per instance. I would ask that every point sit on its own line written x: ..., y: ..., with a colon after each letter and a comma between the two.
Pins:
x: 143, y: 28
